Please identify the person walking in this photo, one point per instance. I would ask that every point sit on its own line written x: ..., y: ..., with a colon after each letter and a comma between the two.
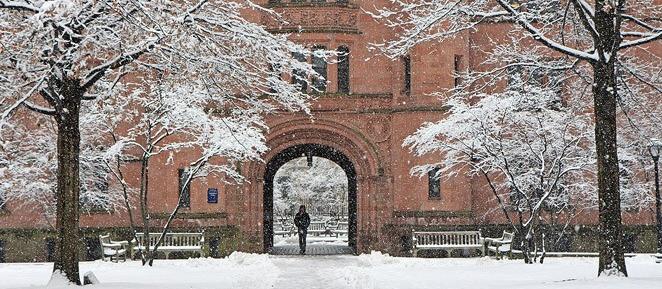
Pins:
x: 302, y: 221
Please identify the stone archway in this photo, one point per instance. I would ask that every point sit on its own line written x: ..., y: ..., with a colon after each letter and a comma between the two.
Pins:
x: 313, y: 150
x: 372, y: 186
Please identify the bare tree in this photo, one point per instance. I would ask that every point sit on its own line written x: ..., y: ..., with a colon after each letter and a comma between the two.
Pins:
x: 56, y: 55
x: 593, y: 37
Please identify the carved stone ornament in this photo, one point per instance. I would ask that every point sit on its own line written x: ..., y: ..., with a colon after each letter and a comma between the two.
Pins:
x: 340, y: 18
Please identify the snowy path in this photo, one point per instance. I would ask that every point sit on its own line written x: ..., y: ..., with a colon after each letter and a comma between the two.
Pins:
x: 371, y: 271
x: 316, y: 245
x: 310, y: 272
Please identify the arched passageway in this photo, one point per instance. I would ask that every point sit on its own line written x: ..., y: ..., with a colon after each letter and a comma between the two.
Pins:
x: 309, y: 150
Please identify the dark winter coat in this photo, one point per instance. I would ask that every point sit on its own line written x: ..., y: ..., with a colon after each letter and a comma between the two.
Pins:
x: 302, y: 221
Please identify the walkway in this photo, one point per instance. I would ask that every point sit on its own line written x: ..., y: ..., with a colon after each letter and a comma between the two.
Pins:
x: 311, y: 272
x: 312, y: 249
x: 316, y: 245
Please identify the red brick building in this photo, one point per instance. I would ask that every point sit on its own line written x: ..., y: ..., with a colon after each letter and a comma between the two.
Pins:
x: 370, y: 105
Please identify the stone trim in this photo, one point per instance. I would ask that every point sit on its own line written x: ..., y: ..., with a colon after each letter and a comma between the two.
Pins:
x: 273, y: 5
x: 353, y: 95
x: 199, y: 215
x: 444, y: 108
x: 311, y: 17
x: 433, y: 214
x: 315, y: 30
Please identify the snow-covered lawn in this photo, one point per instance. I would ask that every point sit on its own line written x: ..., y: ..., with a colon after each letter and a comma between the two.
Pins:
x: 372, y: 271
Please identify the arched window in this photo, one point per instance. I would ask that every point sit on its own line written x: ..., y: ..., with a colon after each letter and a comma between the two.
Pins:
x: 343, y: 69
x: 319, y: 65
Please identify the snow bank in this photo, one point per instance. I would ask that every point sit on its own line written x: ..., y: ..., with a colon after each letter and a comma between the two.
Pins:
x: 58, y: 280
x: 368, y: 271
x: 248, y: 259
x: 376, y: 258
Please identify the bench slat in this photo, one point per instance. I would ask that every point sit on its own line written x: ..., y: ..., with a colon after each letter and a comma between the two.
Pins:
x: 171, y: 242
x: 447, y: 240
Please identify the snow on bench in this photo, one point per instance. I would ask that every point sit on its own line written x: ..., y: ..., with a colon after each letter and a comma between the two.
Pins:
x: 172, y: 242
x: 500, y: 246
x: 447, y: 241
x: 110, y: 248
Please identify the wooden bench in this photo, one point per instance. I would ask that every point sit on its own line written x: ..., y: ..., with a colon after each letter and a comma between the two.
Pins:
x: 447, y: 241
x: 317, y: 228
x: 500, y: 246
x: 110, y: 248
x: 340, y: 229
x: 172, y: 242
x: 281, y: 229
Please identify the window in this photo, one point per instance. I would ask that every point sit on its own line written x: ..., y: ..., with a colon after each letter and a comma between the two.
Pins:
x: 434, y: 184
x: 319, y: 65
x: 343, y: 69
x: 184, y: 188
x: 458, y: 67
x: 298, y: 76
x: 406, y: 62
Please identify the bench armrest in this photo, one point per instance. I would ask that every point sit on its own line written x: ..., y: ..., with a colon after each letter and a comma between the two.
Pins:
x: 112, y: 245
x: 490, y: 241
x: 500, y: 242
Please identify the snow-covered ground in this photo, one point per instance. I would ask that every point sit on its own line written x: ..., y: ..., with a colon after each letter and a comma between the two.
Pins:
x: 371, y: 271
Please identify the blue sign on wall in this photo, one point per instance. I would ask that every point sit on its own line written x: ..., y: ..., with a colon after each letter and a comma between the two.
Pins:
x: 212, y: 195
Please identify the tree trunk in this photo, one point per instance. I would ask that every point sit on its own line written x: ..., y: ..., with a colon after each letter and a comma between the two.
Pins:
x: 68, y: 184
x: 144, y: 186
x: 612, y: 260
